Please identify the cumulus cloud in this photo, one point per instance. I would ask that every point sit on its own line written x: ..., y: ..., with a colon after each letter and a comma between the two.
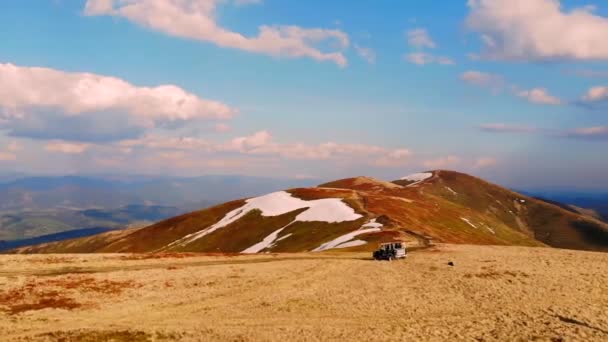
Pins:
x: 591, y: 133
x: 506, y: 128
x: 366, y: 53
x: 485, y: 162
x: 9, y: 152
x: 47, y: 104
x: 66, y: 147
x: 14, y: 146
x: 538, y: 30
x: 497, y: 83
x: 442, y: 162
x: 483, y: 79
x: 596, y: 94
x: 196, y: 19
x: 262, y: 143
x: 420, y: 38
x: 539, y: 96
x: 7, y: 156
x: 422, y: 58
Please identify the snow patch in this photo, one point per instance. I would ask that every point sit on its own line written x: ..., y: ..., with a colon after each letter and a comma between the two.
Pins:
x: 372, y: 224
x: 284, y: 237
x: 268, y: 242
x: 331, y: 210
x: 417, y: 177
x: 491, y: 230
x: 353, y: 243
x: 346, y: 240
x: 468, y: 222
x: 451, y: 190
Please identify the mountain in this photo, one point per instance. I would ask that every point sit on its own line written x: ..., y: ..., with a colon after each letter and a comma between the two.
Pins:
x: 77, y: 192
x: 592, y: 204
x: 357, y: 214
x: 66, y: 235
x: 31, y: 224
x: 36, y: 206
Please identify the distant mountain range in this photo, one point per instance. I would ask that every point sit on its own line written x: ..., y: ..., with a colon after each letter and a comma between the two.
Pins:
x: 37, y: 206
x: 357, y: 214
x: 595, y: 204
x: 75, y: 192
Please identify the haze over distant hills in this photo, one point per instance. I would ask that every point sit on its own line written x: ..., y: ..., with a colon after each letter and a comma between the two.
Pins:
x: 36, y: 206
x: 356, y: 214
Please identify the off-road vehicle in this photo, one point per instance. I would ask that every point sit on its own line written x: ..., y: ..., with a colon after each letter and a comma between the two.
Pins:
x: 390, y: 251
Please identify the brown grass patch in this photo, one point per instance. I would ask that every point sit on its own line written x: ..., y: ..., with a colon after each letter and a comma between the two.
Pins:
x: 51, y: 260
x: 28, y: 298
x: 57, y: 293
x: 94, y: 336
x: 496, y: 275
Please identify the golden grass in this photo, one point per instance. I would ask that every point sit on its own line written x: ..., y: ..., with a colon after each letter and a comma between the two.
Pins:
x: 491, y: 293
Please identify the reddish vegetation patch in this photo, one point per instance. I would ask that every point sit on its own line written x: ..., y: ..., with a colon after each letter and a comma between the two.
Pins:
x: 104, y: 335
x: 28, y: 298
x: 310, y: 194
x: 55, y: 293
x: 89, y: 284
x: 496, y: 275
x: 51, y: 260
x: 147, y: 256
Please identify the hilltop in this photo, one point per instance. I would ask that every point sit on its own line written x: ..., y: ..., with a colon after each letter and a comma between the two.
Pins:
x: 357, y: 213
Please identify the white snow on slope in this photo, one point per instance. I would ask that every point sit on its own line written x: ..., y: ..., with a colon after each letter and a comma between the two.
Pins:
x: 451, y: 190
x: 345, y: 240
x: 268, y: 242
x: 353, y: 243
x: 329, y: 210
x: 469, y: 222
x: 417, y: 177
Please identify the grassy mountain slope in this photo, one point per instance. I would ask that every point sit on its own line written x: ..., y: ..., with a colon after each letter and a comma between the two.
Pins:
x: 447, y: 207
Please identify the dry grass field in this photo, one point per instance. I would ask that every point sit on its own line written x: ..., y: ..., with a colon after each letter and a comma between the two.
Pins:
x: 491, y: 293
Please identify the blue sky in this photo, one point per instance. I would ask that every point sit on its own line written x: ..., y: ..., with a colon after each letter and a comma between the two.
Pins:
x: 335, y: 89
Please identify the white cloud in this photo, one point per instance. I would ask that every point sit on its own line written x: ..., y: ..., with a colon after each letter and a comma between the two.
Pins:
x: 442, y: 162
x: 262, y: 144
x: 538, y: 30
x: 7, y: 156
x: 422, y: 58
x: 43, y: 99
x: 14, y: 146
x: 66, y: 147
x: 540, y: 96
x: 506, y: 128
x: 485, y: 162
x: 596, y: 94
x: 169, y: 143
x: 420, y: 38
x: 483, y: 79
x: 366, y: 53
x: 597, y: 132
x: 196, y: 19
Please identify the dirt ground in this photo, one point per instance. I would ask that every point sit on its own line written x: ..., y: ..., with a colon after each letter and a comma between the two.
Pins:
x: 491, y: 293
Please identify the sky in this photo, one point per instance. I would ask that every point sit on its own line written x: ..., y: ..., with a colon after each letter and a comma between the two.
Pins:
x: 515, y: 91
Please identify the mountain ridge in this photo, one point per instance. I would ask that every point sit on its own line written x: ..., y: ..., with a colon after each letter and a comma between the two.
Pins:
x: 441, y: 206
